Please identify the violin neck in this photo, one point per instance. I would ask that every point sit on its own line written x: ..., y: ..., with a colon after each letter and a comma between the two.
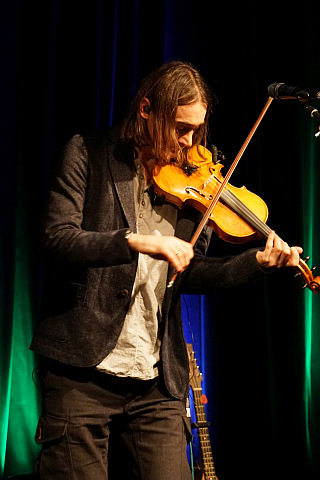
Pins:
x: 235, y: 204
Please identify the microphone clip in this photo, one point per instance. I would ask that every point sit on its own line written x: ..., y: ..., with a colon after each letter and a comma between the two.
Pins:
x: 314, y: 113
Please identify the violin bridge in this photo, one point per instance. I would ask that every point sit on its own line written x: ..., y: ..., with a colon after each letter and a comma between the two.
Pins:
x: 212, y: 177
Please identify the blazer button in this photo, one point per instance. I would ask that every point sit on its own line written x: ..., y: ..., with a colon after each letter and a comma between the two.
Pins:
x: 124, y: 293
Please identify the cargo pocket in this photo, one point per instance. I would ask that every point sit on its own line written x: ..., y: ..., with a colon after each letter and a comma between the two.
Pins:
x: 187, y: 424
x: 53, y: 460
x: 50, y: 430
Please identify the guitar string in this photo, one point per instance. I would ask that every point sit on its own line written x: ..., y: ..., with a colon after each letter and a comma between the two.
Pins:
x: 204, y: 435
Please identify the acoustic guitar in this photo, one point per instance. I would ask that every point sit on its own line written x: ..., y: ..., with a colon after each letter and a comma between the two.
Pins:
x: 206, y: 469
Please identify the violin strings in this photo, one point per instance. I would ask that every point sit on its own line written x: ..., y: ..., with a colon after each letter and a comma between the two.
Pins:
x: 245, y: 213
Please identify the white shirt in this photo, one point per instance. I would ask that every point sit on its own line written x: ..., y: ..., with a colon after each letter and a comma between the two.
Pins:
x: 137, y: 351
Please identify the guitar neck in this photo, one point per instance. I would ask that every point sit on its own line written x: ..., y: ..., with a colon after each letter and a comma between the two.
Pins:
x: 204, y: 438
x: 208, y: 470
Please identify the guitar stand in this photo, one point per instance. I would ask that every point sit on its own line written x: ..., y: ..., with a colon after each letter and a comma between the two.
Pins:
x: 200, y: 425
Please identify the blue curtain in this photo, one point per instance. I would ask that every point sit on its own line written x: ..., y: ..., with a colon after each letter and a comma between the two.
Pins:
x: 70, y: 67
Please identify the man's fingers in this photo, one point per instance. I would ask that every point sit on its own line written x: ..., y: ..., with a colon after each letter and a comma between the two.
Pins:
x: 278, y: 253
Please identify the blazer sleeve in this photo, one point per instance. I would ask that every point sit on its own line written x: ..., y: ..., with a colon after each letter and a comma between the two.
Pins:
x: 64, y: 237
x: 205, y: 273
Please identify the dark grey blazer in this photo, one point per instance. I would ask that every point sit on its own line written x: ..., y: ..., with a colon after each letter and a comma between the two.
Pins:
x: 91, y: 269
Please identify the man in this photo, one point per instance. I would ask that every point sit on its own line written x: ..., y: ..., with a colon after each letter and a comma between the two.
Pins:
x: 111, y: 336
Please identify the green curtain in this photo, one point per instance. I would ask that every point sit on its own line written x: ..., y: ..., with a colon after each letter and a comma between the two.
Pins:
x: 310, y: 175
x: 20, y: 400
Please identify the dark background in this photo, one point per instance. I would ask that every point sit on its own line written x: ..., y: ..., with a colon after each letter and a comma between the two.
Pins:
x: 72, y: 67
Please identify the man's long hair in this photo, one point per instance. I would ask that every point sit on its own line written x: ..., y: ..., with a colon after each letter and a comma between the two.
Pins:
x: 175, y: 83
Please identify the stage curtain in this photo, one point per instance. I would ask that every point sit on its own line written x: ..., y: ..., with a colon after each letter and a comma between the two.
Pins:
x: 72, y: 67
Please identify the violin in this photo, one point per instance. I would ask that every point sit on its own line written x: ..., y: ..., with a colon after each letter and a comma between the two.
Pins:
x: 239, y: 215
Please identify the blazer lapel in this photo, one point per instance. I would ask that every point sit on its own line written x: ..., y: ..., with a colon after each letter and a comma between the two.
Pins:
x: 122, y: 170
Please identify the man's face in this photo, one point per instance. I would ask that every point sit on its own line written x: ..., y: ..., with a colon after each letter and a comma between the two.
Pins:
x: 188, y: 119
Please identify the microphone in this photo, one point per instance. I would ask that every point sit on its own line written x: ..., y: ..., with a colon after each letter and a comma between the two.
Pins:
x: 280, y: 91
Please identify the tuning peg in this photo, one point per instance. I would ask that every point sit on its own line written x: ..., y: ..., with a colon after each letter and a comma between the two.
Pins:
x: 298, y: 274
x: 313, y: 269
x: 306, y: 259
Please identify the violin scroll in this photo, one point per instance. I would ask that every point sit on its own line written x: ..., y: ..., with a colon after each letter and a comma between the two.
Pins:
x: 311, y: 282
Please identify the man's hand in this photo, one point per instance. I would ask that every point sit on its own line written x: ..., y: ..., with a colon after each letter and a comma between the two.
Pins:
x: 177, y: 252
x: 278, y: 254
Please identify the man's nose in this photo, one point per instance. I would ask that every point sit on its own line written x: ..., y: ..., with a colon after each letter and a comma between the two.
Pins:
x: 186, y: 139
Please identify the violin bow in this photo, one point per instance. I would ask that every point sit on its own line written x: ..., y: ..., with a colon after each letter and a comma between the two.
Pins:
x: 218, y: 194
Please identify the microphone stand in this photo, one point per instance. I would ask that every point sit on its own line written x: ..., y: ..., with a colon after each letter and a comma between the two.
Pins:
x: 314, y: 113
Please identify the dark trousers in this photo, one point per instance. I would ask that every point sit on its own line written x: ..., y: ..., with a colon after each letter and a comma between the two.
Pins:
x: 96, y: 426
